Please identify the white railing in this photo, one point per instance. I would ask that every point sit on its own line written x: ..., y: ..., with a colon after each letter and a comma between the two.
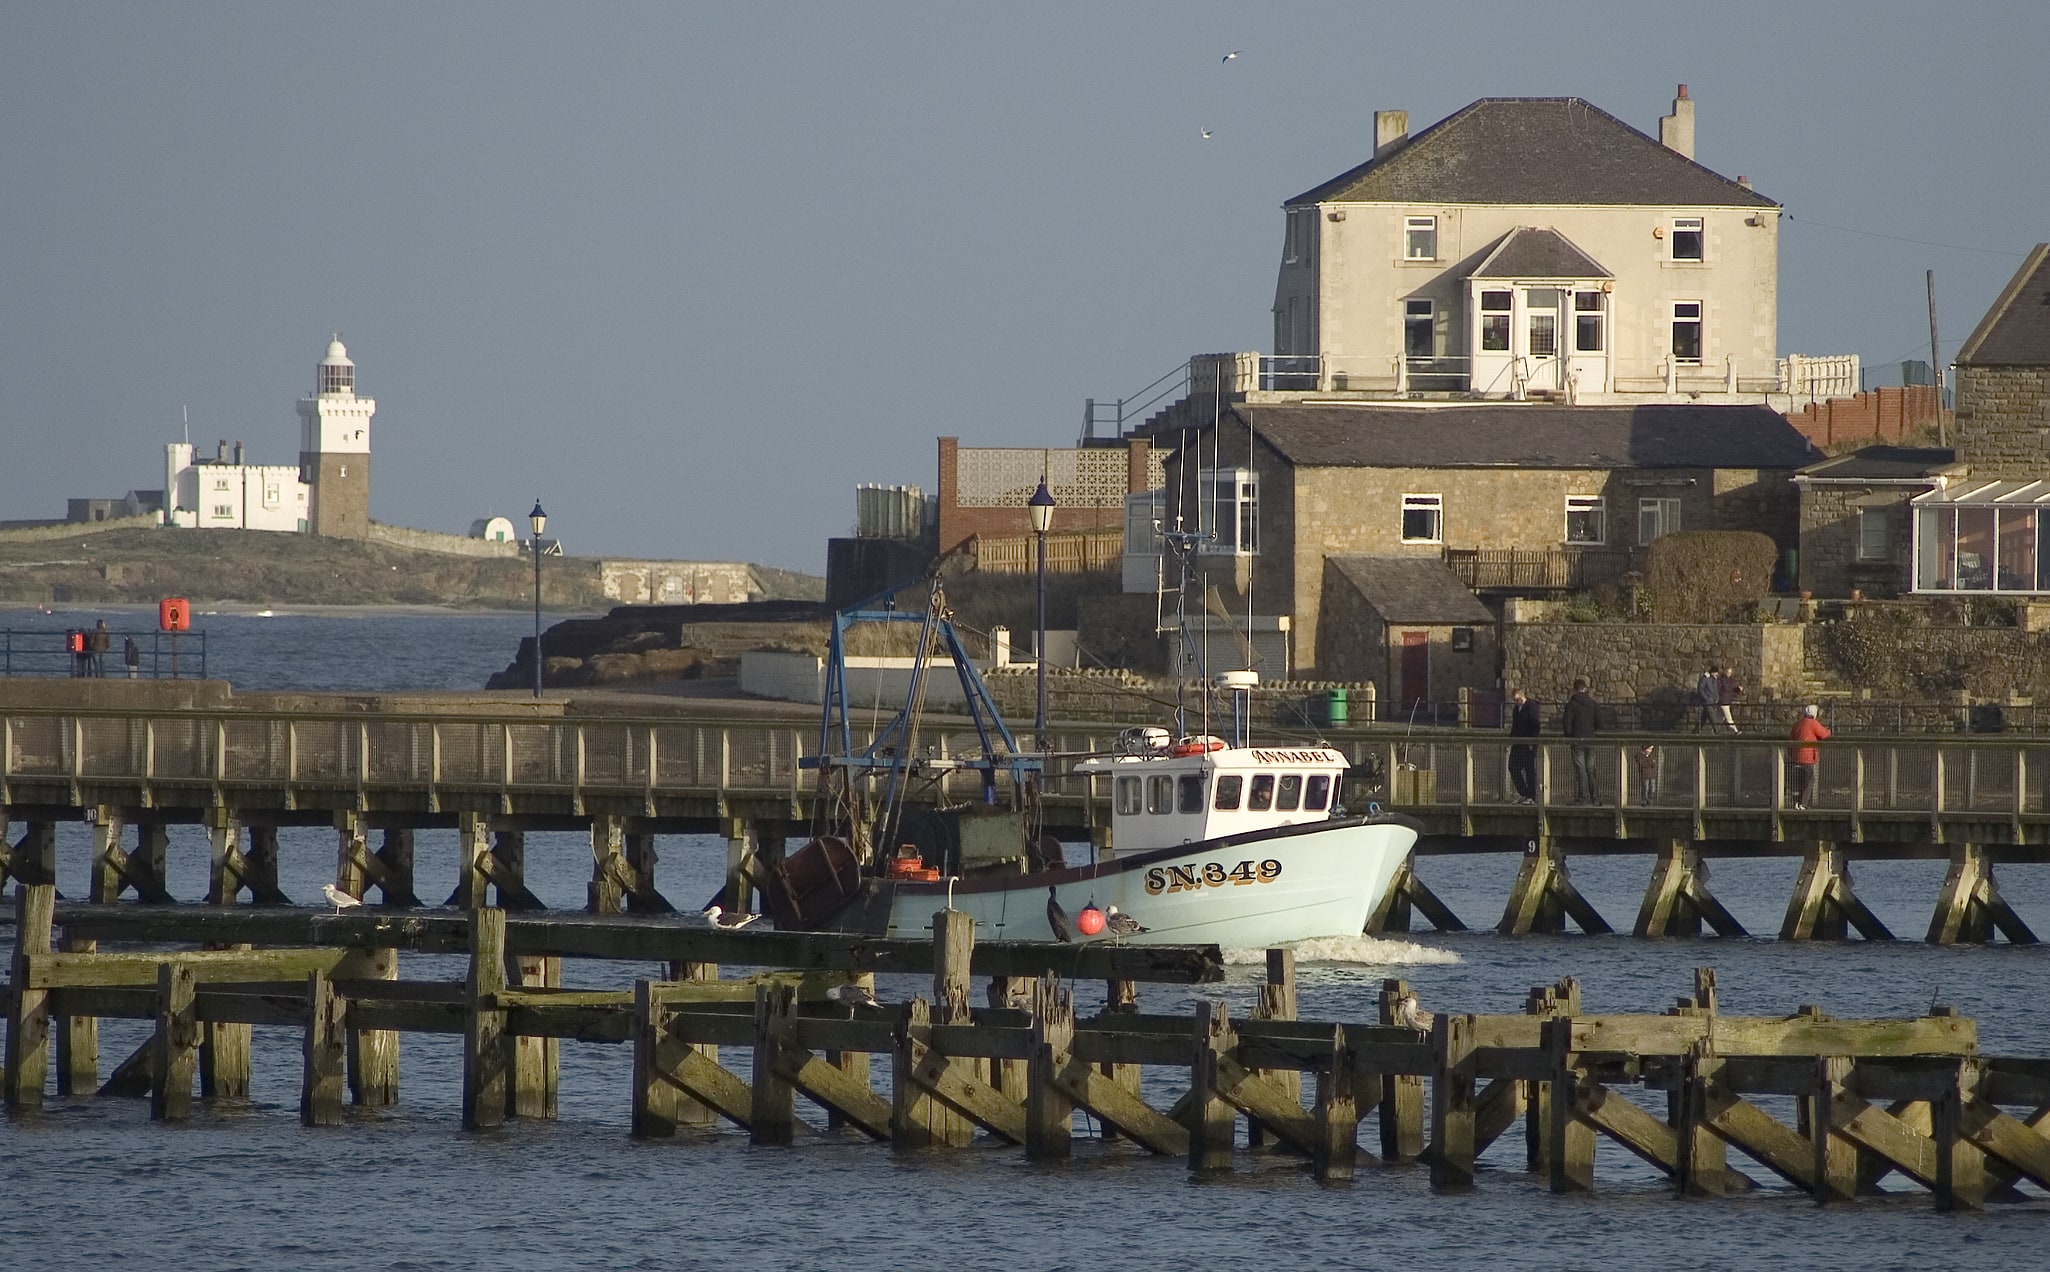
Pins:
x: 1834, y: 375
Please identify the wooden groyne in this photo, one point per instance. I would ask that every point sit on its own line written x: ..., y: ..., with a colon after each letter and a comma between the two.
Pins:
x: 1872, y: 1099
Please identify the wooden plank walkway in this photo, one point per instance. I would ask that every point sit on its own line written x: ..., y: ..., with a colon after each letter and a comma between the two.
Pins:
x: 1878, y: 1099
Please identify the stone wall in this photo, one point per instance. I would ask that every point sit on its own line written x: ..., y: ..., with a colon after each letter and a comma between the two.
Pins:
x: 2003, y: 421
x: 74, y: 530
x: 1651, y: 662
x: 1830, y: 530
x: 1125, y: 699
x: 436, y: 541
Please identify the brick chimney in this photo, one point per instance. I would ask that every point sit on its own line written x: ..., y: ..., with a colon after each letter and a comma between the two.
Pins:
x: 1391, y: 132
x: 1676, y: 131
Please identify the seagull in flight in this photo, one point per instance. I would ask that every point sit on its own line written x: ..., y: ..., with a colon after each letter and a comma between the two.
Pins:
x: 338, y: 898
x: 1122, y: 925
x: 719, y: 918
x: 1206, y: 134
x: 1057, y: 919
x: 1228, y: 57
x: 852, y: 996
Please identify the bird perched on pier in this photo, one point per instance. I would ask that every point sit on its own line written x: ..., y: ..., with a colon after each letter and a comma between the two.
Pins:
x: 1057, y: 919
x: 719, y: 918
x: 1407, y: 1015
x: 1122, y: 925
x: 338, y: 898
x: 852, y: 996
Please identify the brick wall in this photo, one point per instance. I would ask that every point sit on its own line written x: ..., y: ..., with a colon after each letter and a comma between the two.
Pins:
x: 1876, y: 415
x: 2003, y: 421
x: 958, y: 524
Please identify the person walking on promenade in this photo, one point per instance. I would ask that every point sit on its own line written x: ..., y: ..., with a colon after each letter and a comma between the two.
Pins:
x: 1705, y: 690
x: 1580, y: 722
x: 131, y: 653
x: 1807, y: 731
x: 1524, y: 722
x: 1727, y: 691
x: 1648, y: 774
x: 97, y: 642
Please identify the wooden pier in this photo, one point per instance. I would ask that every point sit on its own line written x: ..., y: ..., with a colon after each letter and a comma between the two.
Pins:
x: 1872, y: 1099
x: 494, y: 775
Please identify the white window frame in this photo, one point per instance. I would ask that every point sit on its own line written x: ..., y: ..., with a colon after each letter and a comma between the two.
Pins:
x: 1699, y: 321
x: 1230, y: 527
x: 1418, y: 312
x: 1507, y: 315
x: 1695, y: 225
x: 1412, y: 226
x: 1867, y: 519
x: 1662, y: 512
x: 1594, y: 504
x: 1433, y: 504
x: 1599, y: 312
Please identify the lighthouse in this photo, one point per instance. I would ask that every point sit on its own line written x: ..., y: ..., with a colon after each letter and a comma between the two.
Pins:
x: 334, y: 448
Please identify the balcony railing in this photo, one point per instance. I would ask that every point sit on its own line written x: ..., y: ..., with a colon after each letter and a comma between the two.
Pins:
x: 1536, y: 569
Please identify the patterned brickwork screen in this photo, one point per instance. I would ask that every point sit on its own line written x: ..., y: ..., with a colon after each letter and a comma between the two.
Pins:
x: 1005, y: 477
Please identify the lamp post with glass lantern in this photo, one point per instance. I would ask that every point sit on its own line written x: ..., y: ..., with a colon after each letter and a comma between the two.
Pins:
x: 538, y: 521
x: 1041, y: 506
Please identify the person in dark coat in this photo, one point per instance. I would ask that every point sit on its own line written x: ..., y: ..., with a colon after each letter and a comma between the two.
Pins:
x: 96, y: 642
x: 1523, y: 723
x: 131, y: 653
x: 1580, y: 722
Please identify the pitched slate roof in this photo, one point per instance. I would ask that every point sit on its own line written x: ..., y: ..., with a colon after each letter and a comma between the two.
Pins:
x: 2016, y: 331
x: 1528, y: 435
x: 1534, y: 150
x: 1882, y: 464
x: 1540, y: 252
x: 1412, y: 590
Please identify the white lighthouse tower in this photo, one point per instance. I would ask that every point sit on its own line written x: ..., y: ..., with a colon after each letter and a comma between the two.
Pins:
x: 334, y: 449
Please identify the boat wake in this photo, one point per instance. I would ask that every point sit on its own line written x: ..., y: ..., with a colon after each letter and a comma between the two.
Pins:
x: 1374, y: 950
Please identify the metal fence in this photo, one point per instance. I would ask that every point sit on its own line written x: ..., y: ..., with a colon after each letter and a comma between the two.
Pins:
x: 163, y: 655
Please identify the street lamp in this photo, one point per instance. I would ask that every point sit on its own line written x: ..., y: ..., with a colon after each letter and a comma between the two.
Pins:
x: 538, y: 520
x: 1041, y: 508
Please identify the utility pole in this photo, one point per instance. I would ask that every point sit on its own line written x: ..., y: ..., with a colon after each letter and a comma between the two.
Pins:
x: 1936, y: 364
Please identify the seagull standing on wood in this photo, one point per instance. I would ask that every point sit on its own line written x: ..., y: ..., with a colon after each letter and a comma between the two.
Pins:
x: 1407, y: 1015
x: 1122, y: 925
x: 338, y: 898
x: 718, y: 918
x: 852, y: 996
x: 1057, y: 919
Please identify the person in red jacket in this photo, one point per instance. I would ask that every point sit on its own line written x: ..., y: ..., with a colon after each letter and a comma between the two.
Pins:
x: 1807, y: 731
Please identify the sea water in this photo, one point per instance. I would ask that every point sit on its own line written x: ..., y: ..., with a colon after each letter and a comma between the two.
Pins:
x: 93, y: 1183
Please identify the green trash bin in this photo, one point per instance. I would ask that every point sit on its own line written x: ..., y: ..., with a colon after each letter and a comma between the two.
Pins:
x: 1337, y: 708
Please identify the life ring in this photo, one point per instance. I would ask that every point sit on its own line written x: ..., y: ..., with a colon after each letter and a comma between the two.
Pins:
x: 1196, y: 746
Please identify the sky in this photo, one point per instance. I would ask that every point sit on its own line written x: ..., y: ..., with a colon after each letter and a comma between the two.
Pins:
x: 688, y: 273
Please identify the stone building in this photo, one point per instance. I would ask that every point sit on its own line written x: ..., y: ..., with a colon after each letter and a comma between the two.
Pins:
x: 1527, y: 499
x: 1856, y: 531
x: 1409, y: 626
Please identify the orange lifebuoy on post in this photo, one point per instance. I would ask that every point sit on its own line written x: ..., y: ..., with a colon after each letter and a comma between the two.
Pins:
x: 174, y: 614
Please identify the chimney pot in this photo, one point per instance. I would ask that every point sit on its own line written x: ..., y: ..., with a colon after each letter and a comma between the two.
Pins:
x: 1683, y: 91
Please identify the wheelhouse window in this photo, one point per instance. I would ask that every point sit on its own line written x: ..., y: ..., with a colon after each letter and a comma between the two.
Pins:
x: 1588, y: 336
x: 1261, y: 797
x: 1875, y: 535
x: 1228, y: 789
x: 1587, y: 520
x: 1687, y: 330
x: 1495, y: 322
x: 1317, y: 792
x: 1160, y: 793
x: 1656, y: 517
x: 1288, y: 796
x: 1688, y: 238
x: 1229, y: 511
x: 1420, y: 238
x: 1419, y: 328
x: 1190, y: 786
x: 1131, y: 798
x: 1423, y: 518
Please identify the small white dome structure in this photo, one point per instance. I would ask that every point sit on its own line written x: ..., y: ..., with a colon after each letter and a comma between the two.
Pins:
x: 493, y: 530
x: 337, y: 373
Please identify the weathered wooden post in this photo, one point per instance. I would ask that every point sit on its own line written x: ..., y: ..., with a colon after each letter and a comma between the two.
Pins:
x: 1960, y: 1164
x: 352, y: 850
x: 1337, y: 1117
x: 608, y: 886
x: 1402, y: 1094
x: 655, y: 1094
x: 484, y: 1050
x: 692, y: 1112
x: 1452, y: 1102
x: 1835, y: 1158
x: 473, y: 840
x: 535, y: 1064
x: 28, y: 1014
x: 1277, y: 1002
x: 1049, y: 1111
x: 323, y: 1056
x: 224, y: 1045
x: 373, y: 1054
x: 953, y: 946
x: 1214, y: 1125
x: 395, y: 868
x: 1703, y: 1157
x: 740, y: 863
x: 1569, y: 1152
x: 104, y: 885
x: 1007, y: 1076
x: 174, y: 1052
x: 774, y: 1110
x: 642, y: 897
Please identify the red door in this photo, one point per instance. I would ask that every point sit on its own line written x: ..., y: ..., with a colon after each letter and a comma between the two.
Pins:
x: 1416, y: 670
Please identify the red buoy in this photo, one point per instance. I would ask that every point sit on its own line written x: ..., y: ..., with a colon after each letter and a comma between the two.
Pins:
x: 1089, y: 922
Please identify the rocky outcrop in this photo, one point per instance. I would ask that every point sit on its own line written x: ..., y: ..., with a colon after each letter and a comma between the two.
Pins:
x: 643, y: 643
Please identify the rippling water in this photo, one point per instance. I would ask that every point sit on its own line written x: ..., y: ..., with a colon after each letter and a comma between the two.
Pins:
x: 93, y: 1183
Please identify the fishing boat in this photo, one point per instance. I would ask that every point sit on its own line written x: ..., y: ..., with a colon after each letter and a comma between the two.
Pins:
x: 1212, y: 841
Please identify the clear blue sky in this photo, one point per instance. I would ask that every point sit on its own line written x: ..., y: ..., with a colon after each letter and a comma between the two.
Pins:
x: 688, y: 273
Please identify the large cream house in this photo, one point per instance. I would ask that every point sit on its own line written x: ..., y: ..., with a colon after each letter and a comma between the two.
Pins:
x: 1532, y: 247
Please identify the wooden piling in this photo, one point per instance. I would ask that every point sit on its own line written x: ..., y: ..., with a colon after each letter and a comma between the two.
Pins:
x: 1049, y: 1110
x: 323, y: 1055
x: 1277, y: 1002
x: 773, y: 1115
x: 392, y: 866
x: 1452, y: 1102
x: 473, y: 849
x: 656, y: 1095
x: 609, y: 884
x: 78, y: 1040
x: 1836, y: 1158
x: 693, y: 1112
x: 1336, y: 1116
x: 741, y: 843
x: 1569, y: 1143
x: 174, y: 1053
x: 373, y: 1054
x: 224, y: 1060
x: 1960, y: 1182
x: 484, y: 1051
x: 1402, y: 1094
x: 642, y: 897
x: 260, y: 867
x: 953, y: 946
x: 1823, y: 907
x: 1970, y: 909
x: 352, y: 852
x: 1543, y: 896
x: 1703, y: 1158
x: 1214, y: 1124
x: 534, y: 1064
x: 28, y: 1013
x: 1677, y: 900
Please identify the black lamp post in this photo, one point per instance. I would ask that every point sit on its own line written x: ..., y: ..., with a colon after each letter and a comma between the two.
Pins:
x: 1041, y: 506
x: 538, y: 521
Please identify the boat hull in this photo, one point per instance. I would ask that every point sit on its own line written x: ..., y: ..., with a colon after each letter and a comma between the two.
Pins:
x: 1293, y: 883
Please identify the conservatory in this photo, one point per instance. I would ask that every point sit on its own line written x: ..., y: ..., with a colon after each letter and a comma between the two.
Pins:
x: 1983, y: 537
